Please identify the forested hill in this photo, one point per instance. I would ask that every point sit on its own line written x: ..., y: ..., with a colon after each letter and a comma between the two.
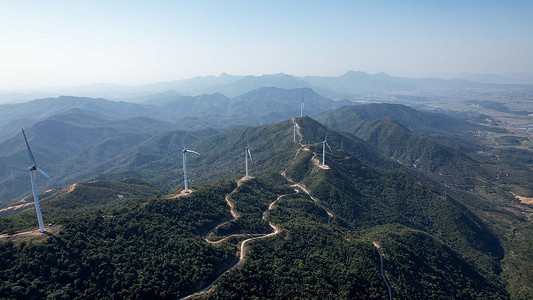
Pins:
x: 308, y: 246
x: 395, y: 132
x: 255, y: 107
x: 65, y: 145
x: 422, y: 122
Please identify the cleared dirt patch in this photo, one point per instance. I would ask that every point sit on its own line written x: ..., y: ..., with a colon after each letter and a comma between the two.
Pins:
x: 31, y: 236
x: 525, y: 200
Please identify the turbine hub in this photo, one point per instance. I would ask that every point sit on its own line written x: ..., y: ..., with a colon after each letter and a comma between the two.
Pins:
x: 32, y: 168
x: 184, y: 150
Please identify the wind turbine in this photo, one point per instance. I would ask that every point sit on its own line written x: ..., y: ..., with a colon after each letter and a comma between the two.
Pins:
x: 302, y: 108
x: 184, y: 151
x: 246, y: 154
x: 33, y: 170
x: 324, y: 144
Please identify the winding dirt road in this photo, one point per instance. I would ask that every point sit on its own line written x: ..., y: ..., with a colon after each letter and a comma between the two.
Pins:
x: 381, y: 269
x: 317, y: 163
x: 257, y: 236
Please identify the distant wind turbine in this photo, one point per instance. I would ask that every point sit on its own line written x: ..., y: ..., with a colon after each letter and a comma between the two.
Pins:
x: 302, y: 108
x: 324, y: 144
x: 184, y: 151
x: 246, y: 154
x: 33, y: 170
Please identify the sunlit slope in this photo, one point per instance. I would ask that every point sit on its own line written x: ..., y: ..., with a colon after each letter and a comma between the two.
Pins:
x: 78, y: 198
x: 364, y: 195
x: 156, y: 247
x: 150, y: 249
x: 395, y: 132
x: 428, y: 123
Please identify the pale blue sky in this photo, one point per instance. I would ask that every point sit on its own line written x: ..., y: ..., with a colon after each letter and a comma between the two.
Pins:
x: 62, y: 43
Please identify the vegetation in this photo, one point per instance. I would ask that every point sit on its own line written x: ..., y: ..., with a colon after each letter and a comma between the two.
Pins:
x: 148, y: 249
x: 307, y: 260
x: 76, y: 199
x: 435, y: 271
x: 518, y: 272
x: 145, y: 245
x: 413, y: 150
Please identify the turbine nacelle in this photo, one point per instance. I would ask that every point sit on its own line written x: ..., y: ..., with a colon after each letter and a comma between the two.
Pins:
x: 187, y: 150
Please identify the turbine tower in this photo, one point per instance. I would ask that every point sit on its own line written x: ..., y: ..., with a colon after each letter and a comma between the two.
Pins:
x: 184, y: 151
x: 246, y: 154
x: 33, y: 170
x: 302, y: 108
x: 324, y: 144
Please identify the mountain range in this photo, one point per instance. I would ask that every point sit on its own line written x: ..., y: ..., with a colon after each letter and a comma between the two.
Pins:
x: 261, y: 106
x: 80, y: 138
x: 360, y: 197
x: 350, y: 84
x: 409, y: 183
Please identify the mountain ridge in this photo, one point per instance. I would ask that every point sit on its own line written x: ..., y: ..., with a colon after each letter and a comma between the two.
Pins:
x: 369, y: 197
x: 343, y: 86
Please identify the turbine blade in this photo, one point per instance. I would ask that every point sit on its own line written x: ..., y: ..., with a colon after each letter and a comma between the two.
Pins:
x: 28, y: 146
x: 250, y: 154
x: 328, y: 147
x: 181, y: 140
x: 193, y: 152
x: 42, y: 172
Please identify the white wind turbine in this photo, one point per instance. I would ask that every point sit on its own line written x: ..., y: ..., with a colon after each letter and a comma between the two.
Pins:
x: 184, y: 151
x: 302, y: 108
x: 246, y: 154
x: 324, y: 144
x: 33, y: 170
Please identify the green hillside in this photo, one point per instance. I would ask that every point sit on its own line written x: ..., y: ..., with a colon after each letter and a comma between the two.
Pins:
x: 149, y: 249
x: 389, y: 128
x: 78, y: 198
x: 296, y: 245
x: 422, y: 122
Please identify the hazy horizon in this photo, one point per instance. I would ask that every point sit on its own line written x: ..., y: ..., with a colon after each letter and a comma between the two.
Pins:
x: 65, y: 44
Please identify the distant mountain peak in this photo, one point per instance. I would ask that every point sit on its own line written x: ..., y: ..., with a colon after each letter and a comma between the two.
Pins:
x: 226, y: 75
x: 354, y: 73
